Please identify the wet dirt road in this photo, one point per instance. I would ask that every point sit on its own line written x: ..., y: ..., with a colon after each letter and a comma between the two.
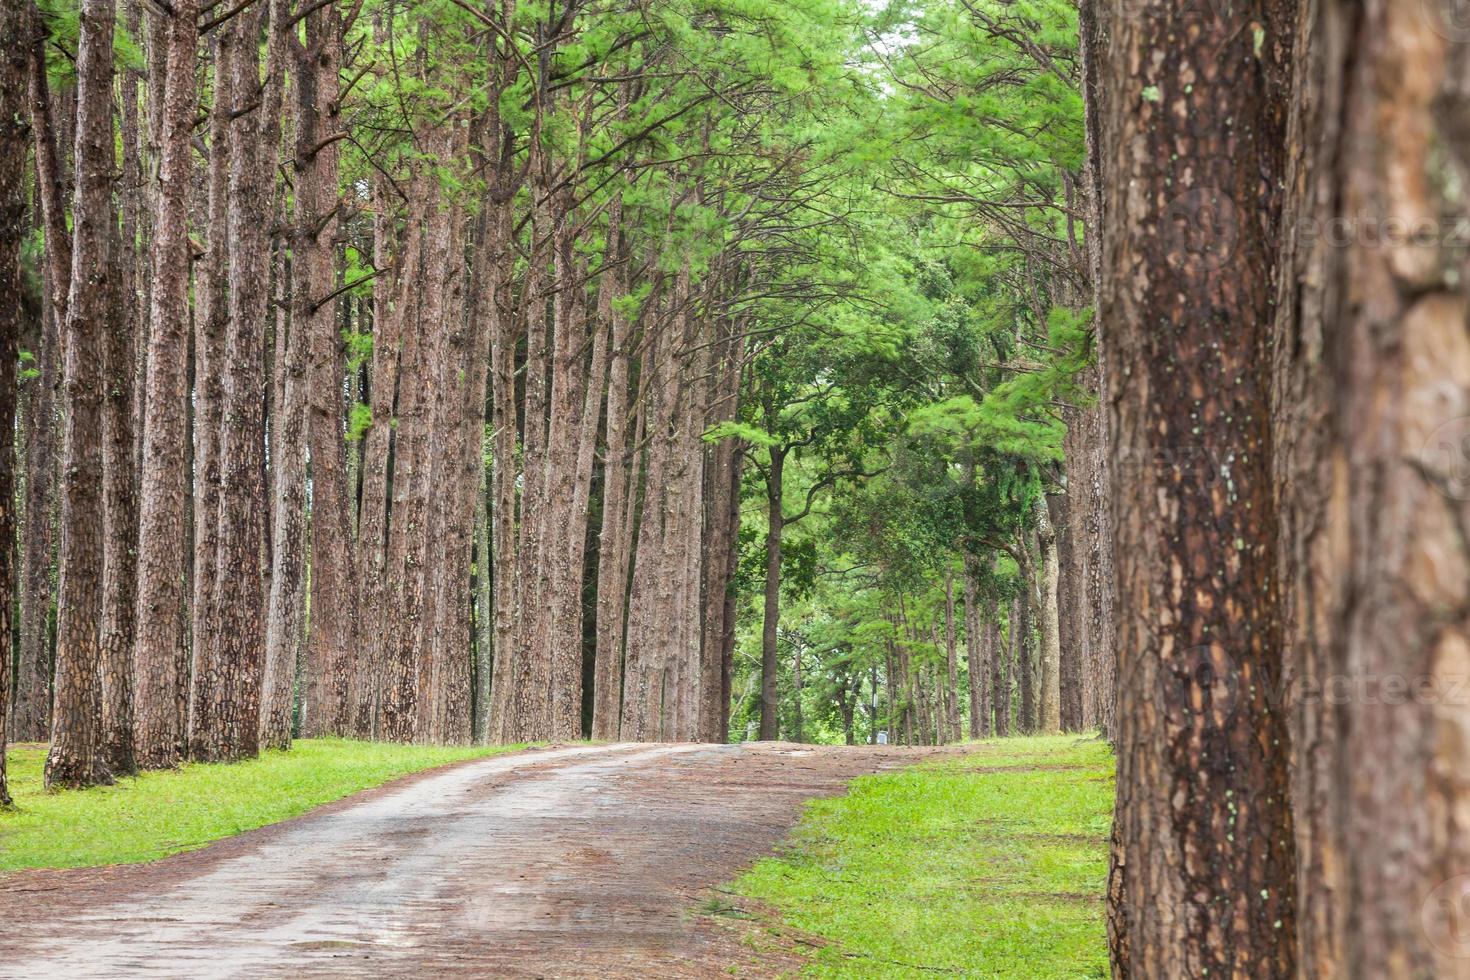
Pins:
x: 563, y: 862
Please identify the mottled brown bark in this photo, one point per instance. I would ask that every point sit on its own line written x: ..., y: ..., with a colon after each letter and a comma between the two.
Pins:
x: 225, y: 723
x: 211, y: 312
x: 120, y: 518
x: 13, y: 231
x: 979, y: 648
x: 74, y: 759
x: 31, y: 714
x: 332, y: 645
x: 1071, y: 621
x: 1202, y: 873
x: 528, y: 702
x: 563, y: 488
x: 1049, y: 655
x: 1372, y: 389
x: 393, y: 292
x: 952, y: 731
x: 721, y: 545
x: 286, y: 604
x: 164, y: 476
x: 404, y: 636
x: 775, y: 521
x: 285, y: 601
x: 614, y: 542
x: 1005, y: 657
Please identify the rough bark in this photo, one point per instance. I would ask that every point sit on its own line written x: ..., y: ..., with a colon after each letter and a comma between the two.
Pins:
x: 211, y: 313
x: 120, y: 517
x: 775, y: 521
x: 31, y: 714
x: 614, y: 543
x: 722, y: 534
x: 1071, y: 623
x: 13, y: 230
x: 979, y: 650
x: 164, y: 478
x: 332, y: 645
x: 951, y: 666
x: 1001, y: 672
x: 1049, y: 657
x: 1372, y: 389
x: 74, y: 759
x: 286, y: 603
x: 1195, y: 132
x: 1089, y: 476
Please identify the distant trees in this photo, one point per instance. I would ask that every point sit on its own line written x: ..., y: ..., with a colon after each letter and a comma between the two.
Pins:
x: 599, y: 271
x: 414, y: 232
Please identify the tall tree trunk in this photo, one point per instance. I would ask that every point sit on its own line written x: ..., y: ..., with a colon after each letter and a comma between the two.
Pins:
x: 13, y: 232
x: 1089, y: 473
x: 1001, y: 672
x: 1024, y: 665
x: 951, y: 666
x: 505, y: 324
x: 1200, y: 883
x: 286, y: 604
x: 1048, y: 682
x: 74, y: 759
x: 1071, y: 624
x: 206, y: 698
x: 226, y: 715
x: 32, y: 711
x: 164, y: 478
x: 1372, y: 357
x: 977, y: 652
x: 775, y: 521
x: 484, y: 610
x: 120, y: 515
x: 614, y: 543
x: 332, y: 645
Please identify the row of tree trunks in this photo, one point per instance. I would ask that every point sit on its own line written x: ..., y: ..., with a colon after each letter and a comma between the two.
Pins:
x: 225, y: 489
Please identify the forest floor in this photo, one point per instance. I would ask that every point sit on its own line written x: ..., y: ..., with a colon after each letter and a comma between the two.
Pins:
x: 583, y: 861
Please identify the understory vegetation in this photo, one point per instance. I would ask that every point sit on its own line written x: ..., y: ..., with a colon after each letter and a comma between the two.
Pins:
x: 988, y: 865
x: 161, y: 813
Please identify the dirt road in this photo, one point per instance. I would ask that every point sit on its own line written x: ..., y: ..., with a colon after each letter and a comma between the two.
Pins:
x: 564, y: 862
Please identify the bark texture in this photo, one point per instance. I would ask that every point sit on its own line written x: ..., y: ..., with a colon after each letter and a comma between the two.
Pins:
x: 1201, y: 878
x: 159, y: 670
x: 74, y: 759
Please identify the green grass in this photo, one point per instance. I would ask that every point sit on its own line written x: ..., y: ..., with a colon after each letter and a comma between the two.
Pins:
x: 162, y: 813
x: 993, y: 865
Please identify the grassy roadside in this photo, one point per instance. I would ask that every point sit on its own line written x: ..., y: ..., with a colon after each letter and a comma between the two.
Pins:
x: 162, y: 813
x: 992, y: 865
